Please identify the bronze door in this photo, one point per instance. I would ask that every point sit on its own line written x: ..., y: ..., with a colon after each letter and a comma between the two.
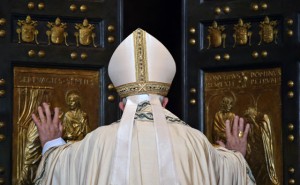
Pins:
x: 56, y: 52
x: 240, y: 58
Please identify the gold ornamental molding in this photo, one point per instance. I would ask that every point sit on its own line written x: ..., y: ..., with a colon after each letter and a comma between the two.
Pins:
x: 193, y: 101
x: 218, y: 57
x: 2, y: 31
x: 192, y: 40
x: 111, y: 39
x: 2, y: 82
x: 242, y: 35
x: 83, y: 56
x: 290, y: 94
x: 41, y: 6
x: 2, y: 124
x: 227, y: 9
x: 57, y: 33
x: 192, y: 30
x: 291, y: 170
x: 2, y: 170
x: 193, y: 90
x: 291, y: 138
x: 110, y: 87
x: 291, y: 126
x: 264, y: 6
x: 254, y: 7
x: 73, y: 55
x: 2, y: 181
x: 31, y: 53
x: 85, y: 35
x: 2, y: 93
x: 2, y: 138
x: 111, y: 98
x: 27, y: 31
x: 290, y: 83
x: 255, y: 54
x: 289, y: 22
x: 268, y: 32
x: 41, y: 53
x: 292, y: 181
x: 216, y: 36
x: 110, y: 28
x: 264, y: 54
x: 226, y: 56
x: 30, y: 5
x: 83, y: 8
x: 220, y: 10
x: 73, y: 7
x: 2, y: 21
x: 290, y: 33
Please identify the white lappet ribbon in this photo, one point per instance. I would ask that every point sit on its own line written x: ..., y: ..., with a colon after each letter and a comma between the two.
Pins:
x: 121, y: 163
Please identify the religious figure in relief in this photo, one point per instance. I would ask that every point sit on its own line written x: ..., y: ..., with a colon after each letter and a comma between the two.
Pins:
x: 27, y: 31
x: 28, y: 148
x: 75, y: 120
x: 225, y: 113
x: 32, y: 157
x: 85, y: 35
x: 242, y: 35
x: 268, y: 33
x: 260, y: 141
x: 216, y: 36
x: 57, y: 33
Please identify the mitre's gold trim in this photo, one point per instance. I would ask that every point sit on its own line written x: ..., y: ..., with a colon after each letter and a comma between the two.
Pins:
x: 140, y: 52
x: 142, y: 84
x: 135, y: 88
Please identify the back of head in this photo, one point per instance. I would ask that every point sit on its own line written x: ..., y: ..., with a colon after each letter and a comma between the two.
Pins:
x: 141, y: 65
x: 142, y: 69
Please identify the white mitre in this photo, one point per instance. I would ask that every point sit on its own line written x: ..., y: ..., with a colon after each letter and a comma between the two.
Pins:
x: 141, y: 65
x: 142, y: 69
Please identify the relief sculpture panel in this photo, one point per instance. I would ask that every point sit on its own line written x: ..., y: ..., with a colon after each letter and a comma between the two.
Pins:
x: 55, y: 31
x: 75, y: 92
x: 256, y: 96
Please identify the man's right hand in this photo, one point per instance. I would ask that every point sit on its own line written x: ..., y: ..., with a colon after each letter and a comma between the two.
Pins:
x: 49, y: 128
x: 236, y: 136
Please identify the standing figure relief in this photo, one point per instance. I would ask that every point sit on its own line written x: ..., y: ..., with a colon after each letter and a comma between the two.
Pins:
x: 225, y: 113
x: 260, y: 149
x: 75, y: 120
x: 260, y: 141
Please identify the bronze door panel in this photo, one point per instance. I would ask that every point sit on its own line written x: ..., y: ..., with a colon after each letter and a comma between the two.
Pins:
x: 58, y: 52
x: 226, y: 46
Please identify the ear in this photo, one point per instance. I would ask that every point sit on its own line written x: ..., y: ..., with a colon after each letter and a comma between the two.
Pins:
x: 165, y: 102
x: 121, y: 105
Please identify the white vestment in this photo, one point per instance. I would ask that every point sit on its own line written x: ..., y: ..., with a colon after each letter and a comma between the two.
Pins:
x: 197, y: 162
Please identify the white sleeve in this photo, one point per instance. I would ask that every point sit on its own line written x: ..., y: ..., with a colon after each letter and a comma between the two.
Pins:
x: 55, y: 142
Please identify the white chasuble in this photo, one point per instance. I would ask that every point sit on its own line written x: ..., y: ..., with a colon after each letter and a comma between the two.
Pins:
x: 197, y: 162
